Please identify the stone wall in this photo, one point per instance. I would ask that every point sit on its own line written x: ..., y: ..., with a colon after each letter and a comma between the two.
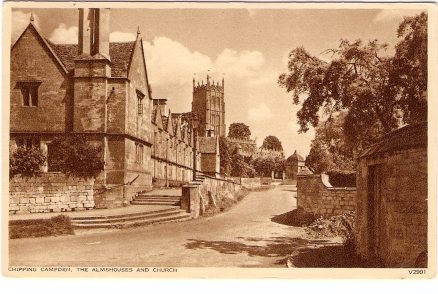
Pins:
x: 400, y: 230
x: 207, y: 193
x: 50, y: 192
x: 247, y: 183
x: 315, y: 195
x: 266, y: 180
x: 251, y: 183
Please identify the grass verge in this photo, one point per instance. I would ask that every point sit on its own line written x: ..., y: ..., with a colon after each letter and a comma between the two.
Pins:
x: 226, y: 203
x: 31, y: 228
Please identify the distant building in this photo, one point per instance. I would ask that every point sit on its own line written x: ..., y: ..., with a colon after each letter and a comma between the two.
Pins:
x: 246, y: 148
x: 273, y: 154
x: 263, y: 152
x: 209, y: 106
x: 392, y: 199
x: 294, y: 165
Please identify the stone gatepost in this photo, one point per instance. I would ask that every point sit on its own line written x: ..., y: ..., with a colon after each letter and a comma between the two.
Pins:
x: 190, y: 200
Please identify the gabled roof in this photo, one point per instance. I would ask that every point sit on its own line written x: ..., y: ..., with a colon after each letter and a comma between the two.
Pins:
x: 164, y: 120
x: 120, y: 55
x: 185, y: 133
x: 45, y: 43
x: 410, y: 136
x: 65, y: 54
x: 157, y: 117
x: 295, y: 156
x: 176, y: 118
x: 169, y: 127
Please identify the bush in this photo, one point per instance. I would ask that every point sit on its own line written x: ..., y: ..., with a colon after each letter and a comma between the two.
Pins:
x: 55, y: 226
x: 225, y: 156
x: 26, y: 161
x: 335, y: 226
x: 74, y: 155
x: 342, y: 178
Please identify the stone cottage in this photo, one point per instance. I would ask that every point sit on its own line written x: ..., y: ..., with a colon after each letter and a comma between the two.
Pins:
x: 392, y: 195
x: 294, y: 165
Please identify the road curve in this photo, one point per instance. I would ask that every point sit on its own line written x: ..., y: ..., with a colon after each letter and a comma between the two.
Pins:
x: 244, y: 236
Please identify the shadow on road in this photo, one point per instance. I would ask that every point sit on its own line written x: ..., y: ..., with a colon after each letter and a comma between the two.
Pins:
x: 289, y: 190
x: 331, y: 256
x: 273, y: 247
x: 296, y: 252
x: 296, y: 218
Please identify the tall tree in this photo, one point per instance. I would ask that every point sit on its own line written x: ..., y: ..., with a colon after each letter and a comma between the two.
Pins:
x: 410, y: 66
x: 374, y: 88
x: 239, y: 131
x: 225, y: 156
x: 272, y: 143
x: 329, y: 150
x: 239, y: 167
x: 265, y: 165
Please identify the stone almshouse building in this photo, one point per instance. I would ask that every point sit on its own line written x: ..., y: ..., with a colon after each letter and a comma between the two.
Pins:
x: 100, y: 89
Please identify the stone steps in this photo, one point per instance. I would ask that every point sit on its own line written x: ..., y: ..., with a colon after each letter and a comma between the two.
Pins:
x: 165, y: 198
x: 148, y: 198
x: 148, y: 202
x: 130, y: 220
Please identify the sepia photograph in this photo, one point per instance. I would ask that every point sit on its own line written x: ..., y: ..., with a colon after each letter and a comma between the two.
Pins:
x: 167, y: 139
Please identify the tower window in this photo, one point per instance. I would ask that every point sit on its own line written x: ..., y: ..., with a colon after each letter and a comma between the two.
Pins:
x: 29, y: 93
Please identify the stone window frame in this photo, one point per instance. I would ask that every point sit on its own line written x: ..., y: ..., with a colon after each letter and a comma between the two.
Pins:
x: 29, y: 92
x: 139, y: 153
x: 140, y: 99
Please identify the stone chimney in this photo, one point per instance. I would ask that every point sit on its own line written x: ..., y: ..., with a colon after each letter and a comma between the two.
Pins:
x: 94, y: 26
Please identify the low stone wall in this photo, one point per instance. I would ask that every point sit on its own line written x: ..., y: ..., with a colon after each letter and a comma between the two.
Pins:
x: 317, y: 196
x: 206, y: 193
x: 50, y: 192
x: 266, y: 180
x: 251, y: 183
x: 233, y: 179
x: 247, y: 183
x: 289, y: 182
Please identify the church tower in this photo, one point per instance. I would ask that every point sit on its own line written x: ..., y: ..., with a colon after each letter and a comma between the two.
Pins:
x: 209, y: 106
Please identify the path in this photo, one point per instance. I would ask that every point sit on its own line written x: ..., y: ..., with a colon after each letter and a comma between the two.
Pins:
x: 244, y: 236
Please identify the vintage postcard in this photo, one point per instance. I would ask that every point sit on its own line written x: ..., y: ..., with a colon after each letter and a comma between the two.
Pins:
x: 219, y: 140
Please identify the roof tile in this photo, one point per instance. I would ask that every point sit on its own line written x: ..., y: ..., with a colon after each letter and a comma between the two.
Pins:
x: 120, y: 54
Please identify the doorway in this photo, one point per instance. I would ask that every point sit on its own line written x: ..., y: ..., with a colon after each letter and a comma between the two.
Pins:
x: 374, y: 211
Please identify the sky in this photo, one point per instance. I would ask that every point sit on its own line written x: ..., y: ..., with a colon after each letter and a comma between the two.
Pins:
x: 248, y: 47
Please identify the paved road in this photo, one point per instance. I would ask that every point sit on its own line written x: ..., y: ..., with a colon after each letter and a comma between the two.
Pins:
x: 244, y: 236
